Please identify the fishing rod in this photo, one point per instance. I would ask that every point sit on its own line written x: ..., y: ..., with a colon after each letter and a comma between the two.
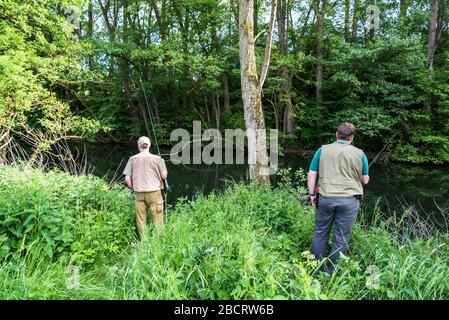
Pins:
x: 167, y: 186
x: 150, y: 113
x: 377, y: 156
x: 384, y: 147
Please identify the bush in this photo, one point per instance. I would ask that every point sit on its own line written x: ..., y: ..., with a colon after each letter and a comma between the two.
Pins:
x: 80, y: 218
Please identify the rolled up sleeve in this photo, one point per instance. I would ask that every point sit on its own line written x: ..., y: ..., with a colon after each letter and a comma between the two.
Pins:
x: 162, y: 167
x: 128, y: 169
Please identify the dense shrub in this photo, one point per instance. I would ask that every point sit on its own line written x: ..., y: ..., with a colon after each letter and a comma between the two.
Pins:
x: 80, y: 218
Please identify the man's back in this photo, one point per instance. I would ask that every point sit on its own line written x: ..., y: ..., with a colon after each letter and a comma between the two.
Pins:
x: 144, y: 173
x: 145, y: 170
x: 340, y: 171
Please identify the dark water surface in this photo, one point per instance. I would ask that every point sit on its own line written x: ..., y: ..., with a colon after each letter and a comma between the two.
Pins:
x: 392, y: 188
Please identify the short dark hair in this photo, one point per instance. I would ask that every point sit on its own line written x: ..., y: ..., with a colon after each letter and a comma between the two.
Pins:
x: 345, y: 131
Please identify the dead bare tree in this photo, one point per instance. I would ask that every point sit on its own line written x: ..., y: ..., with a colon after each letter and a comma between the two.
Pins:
x: 252, y: 89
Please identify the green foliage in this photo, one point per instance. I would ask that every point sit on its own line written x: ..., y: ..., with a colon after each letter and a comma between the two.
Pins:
x: 289, y: 141
x: 78, y: 218
x: 38, y: 57
x: 427, y: 126
x: 56, y: 79
x: 371, y: 86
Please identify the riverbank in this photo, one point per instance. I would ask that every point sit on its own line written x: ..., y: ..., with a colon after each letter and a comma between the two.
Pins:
x: 243, y: 243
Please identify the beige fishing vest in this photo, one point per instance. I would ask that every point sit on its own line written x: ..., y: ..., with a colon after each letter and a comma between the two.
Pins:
x: 340, y: 170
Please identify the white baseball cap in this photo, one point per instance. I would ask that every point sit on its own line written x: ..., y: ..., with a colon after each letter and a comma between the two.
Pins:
x: 144, y: 141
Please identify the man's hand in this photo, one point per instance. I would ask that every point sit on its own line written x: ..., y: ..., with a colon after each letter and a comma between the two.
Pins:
x: 311, y: 183
x: 365, y: 180
x: 129, y: 182
x: 313, y: 200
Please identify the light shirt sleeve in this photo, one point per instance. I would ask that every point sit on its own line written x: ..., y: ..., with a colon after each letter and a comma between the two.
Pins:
x: 162, y: 166
x: 365, y: 166
x: 314, y: 165
x: 128, y: 171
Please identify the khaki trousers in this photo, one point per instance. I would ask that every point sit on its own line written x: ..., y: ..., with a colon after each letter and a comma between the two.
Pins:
x: 154, y: 202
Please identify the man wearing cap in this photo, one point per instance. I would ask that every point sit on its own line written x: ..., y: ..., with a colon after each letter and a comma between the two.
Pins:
x: 342, y: 170
x: 144, y: 173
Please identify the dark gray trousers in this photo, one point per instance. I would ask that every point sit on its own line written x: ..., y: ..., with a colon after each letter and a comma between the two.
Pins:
x: 341, y: 213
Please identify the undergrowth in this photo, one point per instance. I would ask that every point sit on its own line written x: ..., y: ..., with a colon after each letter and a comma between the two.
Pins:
x: 243, y: 243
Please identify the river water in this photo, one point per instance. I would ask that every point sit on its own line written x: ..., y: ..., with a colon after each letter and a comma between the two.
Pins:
x: 392, y: 188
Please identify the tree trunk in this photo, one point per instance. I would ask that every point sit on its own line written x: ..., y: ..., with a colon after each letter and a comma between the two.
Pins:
x: 355, y: 14
x: 217, y: 110
x: 347, y: 6
x: 90, y: 27
x: 163, y: 32
x: 285, y: 95
x: 144, y: 117
x: 288, y: 120
x: 183, y: 23
x: 441, y: 15
x: 234, y: 4
x: 125, y: 74
x: 111, y: 26
x: 433, y: 27
x: 304, y: 26
x: 320, y: 14
x: 156, y: 109
x: 275, y: 110
x: 282, y: 25
x: 160, y: 23
x: 206, y: 106
x: 403, y: 6
x: 251, y: 91
x: 256, y: 15
x: 227, y: 105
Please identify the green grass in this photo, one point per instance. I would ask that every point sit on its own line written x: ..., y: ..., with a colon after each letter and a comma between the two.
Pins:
x: 245, y: 243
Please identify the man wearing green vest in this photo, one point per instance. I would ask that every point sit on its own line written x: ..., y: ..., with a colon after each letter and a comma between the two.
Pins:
x: 342, y: 169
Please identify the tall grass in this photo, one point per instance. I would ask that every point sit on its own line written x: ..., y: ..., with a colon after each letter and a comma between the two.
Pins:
x: 245, y: 243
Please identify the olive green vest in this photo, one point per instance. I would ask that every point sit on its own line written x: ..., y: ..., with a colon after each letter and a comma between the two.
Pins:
x: 340, y: 170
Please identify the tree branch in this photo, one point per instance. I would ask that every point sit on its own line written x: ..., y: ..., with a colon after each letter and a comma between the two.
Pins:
x: 259, y: 34
x: 268, y: 44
